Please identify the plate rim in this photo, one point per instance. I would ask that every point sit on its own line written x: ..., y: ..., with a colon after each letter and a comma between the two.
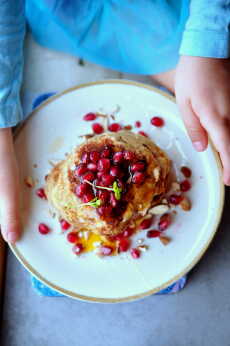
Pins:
x: 74, y: 295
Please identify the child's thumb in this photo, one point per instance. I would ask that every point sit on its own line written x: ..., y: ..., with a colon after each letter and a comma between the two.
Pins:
x: 10, y: 222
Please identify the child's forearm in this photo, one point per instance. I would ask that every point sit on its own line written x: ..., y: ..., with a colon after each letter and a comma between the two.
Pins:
x: 12, y: 31
x: 207, y: 29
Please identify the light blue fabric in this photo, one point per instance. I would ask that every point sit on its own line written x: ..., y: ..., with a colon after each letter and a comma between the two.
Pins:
x: 130, y: 36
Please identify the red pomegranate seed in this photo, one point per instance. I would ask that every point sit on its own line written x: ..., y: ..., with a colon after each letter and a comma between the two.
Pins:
x: 138, y: 178
x: 123, y: 245
x: 175, y: 199
x: 113, y: 202
x: 146, y: 223
x: 104, y: 210
x: 103, y: 195
x: 41, y: 193
x: 118, y: 157
x: 128, y: 155
x: 185, y: 185
x: 116, y: 171
x: 164, y: 222
x: 153, y: 233
x: 72, y: 237
x: 90, y: 117
x: 80, y: 170
x: 89, y: 176
x: 97, y: 128
x: 87, y: 197
x: 115, y: 127
x: 94, y: 156
x: 105, y: 153
x: 186, y: 171
x: 103, y: 165
x: 157, y: 121
x: 78, y: 249
x: 143, y: 133
x: 64, y: 225
x: 43, y: 229
x: 137, y: 123
x: 85, y: 158
x: 128, y: 232
x: 107, y: 179
x: 135, y: 253
x: 81, y: 189
x: 92, y: 167
x: 105, y: 250
x: 138, y: 167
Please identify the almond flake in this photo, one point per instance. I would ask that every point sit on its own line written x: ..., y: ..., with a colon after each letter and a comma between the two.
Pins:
x: 165, y: 240
x: 159, y: 209
x: 185, y: 204
x: 143, y: 247
x: 175, y: 187
x: 156, y: 173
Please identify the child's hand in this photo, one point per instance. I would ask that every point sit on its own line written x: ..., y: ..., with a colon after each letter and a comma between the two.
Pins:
x: 202, y: 88
x: 9, y: 188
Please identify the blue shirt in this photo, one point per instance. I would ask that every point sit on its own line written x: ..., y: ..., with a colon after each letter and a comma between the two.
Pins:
x: 132, y: 36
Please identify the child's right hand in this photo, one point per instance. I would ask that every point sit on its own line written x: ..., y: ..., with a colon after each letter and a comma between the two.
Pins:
x: 9, y: 189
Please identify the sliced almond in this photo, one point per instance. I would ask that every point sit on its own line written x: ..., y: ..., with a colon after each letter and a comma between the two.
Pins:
x: 175, y: 187
x: 159, y: 209
x: 165, y: 240
x: 156, y: 173
x: 143, y: 247
x: 29, y: 181
x: 185, y: 204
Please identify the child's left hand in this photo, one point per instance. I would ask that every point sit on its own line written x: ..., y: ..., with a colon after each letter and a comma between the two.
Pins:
x: 202, y: 88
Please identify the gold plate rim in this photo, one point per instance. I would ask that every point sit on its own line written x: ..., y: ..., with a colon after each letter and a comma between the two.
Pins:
x: 74, y: 295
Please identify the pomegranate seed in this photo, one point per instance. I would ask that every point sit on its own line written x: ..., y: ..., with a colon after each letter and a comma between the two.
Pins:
x: 123, y: 245
x: 80, y: 170
x: 115, y: 127
x: 128, y: 232
x: 105, y: 153
x: 43, y: 229
x: 113, y: 202
x: 138, y: 178
x: 89, y: 176
x: 90, y: 117
x: 92, y: 167
x: 41, y: 193
x: 64, y: 225
x: 175, y: 199
x: 81, y: 189
x: 104, y: 210
x: 87, y: 197
x: 135, y: 253
x: 116, y: 171
x: 85, y: 158
x: 99, y: 175
x: 186, y: 171
x: 138, y: 167
x: 78, y: 249
x: 105, y: 250
x: 128, y: 155
x: 97, y: 128
x: 164, y: 222
x: 103, y: 165
x: 94, y: 156
x: 138, y: 123
x: 107, y: 179
x: 72, y: 237
x: 103, y: 195
x: 118, y: 157
x: 143, y: 133
x: 185, y: 185
x: 146, y: 223
x: 153, y: 233
x: 157, y: 121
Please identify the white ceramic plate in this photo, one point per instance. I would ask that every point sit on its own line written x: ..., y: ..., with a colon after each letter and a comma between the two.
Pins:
x: 53, y: 130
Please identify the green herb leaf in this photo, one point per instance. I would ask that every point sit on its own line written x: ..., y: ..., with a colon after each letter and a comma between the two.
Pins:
x: 94, y: 203
x: 117, y: 191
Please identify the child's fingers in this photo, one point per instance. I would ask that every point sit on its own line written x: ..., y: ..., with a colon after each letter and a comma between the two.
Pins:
x: 10, y: 222
x: 196, y: 132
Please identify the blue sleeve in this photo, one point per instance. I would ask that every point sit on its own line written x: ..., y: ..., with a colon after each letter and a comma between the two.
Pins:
x: 207, y: 29
x: 12, y: 31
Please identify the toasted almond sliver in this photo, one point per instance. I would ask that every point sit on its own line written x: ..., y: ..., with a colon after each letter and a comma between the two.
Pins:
x: 143, y: 247
x: 156, y: 173
x: 165, y: 240
x: 175, y: 187
x: 185, y: 204
x: 159, y: 209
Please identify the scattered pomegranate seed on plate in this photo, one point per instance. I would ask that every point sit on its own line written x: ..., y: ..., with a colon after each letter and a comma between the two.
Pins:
x: 165, y: 222
x: 123, y: 245
x: 128, y: 232
x: 157, y: 121
x: 143, y: 133
x: 41, y: 193
x: 185, y: 185
x: 146, y: 223
x: 137, y: 124
x: 97, y: 128
x: 64, y: 225
x: 175, y: 199
x: 115, y: 127
x: 89, y: 116
x: 43, y: 229
x: 135, y: 253
x: 72, y: 237
x: 78, y: 249
x: 153, y: 233
x: 186, y: 171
